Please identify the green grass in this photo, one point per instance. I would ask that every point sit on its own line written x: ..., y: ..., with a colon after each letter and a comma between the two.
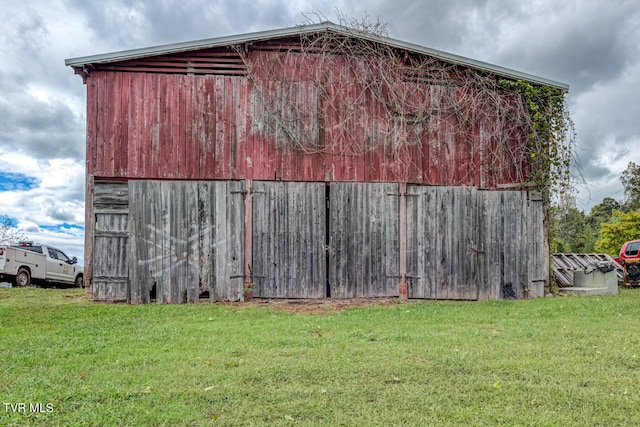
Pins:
x: 566, y: 361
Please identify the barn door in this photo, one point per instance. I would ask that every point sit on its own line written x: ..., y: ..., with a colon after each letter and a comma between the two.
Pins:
x: 187, y: 241
x: 289, y: 239
x: 110, y: 264
x: 364, y: 245
x: 514, y: 243
x: 443, y: 256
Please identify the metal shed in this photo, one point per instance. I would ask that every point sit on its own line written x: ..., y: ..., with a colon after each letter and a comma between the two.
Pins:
x: 307, y: 162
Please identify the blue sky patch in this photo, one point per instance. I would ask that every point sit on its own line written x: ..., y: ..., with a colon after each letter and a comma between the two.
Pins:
x: 63, y: 228
x: 10, y: 181
x: 7, y: 220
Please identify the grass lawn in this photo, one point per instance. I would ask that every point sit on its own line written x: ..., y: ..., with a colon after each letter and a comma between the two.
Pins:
x: 566, y: 361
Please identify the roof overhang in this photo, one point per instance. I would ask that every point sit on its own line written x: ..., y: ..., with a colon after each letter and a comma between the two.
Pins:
x: 80, y: 63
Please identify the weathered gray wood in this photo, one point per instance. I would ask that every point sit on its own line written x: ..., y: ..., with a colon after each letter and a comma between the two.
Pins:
x: 442, y: 242
x: 469, y: 244
x: 111, y: 194
x: 537, y: 247
x: 145, y: 252
x: 109, y: 263
x: 493, y: 223
x: 221, y: 236
x: 188, y: 240
x: 110, y: 267
x: 183, y: 239
x: 364, y: 247
x: 288, y: 239
x: 514, y: 243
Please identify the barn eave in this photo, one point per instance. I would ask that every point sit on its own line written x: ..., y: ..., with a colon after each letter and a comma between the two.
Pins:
x: 82, y: 65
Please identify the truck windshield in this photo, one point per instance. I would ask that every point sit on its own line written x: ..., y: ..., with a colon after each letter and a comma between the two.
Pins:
x: 632, y: 249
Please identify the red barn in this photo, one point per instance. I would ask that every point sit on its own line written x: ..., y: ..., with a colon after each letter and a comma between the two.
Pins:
x: 309, y: 162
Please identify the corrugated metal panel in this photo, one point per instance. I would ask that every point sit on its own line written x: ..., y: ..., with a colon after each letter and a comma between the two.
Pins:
x: 565, y: 264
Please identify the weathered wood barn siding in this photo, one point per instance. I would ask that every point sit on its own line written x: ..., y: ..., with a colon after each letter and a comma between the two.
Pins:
x: 442, y: 242
x: 183, y: 241
x: 217, y: 169
x: 175, y: 126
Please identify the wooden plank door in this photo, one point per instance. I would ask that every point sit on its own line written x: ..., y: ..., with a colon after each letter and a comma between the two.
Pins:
x: 288, y: 239
x: 221, y: 239
x: 187, y: 240
x: 109, y: 281
x: 364, y: 240
x: 110, y: 263
x: 514, y: 241
x: 443, y: 253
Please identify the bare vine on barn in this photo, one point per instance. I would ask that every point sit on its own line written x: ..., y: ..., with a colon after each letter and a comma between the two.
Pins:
x: 369, y: 95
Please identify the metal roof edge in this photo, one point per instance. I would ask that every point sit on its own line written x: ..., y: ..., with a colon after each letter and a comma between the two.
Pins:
x: 194, y: 45
x: 305, y: 29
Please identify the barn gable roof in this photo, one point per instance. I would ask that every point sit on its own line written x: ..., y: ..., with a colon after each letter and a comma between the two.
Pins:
x: 127, y: 55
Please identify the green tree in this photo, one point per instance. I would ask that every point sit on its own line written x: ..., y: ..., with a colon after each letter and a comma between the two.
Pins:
x: 589, y: 237
x: 599, y: 214
x: 623, y: 227
x: 630, y: 179
x: 569, y: 231
x: 8, y: 232
x: 603, y: 212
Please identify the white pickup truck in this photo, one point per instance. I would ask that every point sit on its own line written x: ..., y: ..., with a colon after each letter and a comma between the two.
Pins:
x: 27, y: 263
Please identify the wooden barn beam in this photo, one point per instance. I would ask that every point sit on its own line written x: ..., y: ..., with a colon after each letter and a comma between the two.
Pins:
x: 403, y: 290
x: 248, y: 235
x: 89, y: 229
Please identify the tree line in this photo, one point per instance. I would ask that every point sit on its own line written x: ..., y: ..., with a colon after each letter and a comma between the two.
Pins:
x: 606, y: 227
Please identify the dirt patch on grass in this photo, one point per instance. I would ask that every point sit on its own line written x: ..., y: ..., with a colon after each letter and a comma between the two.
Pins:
x: 325, y: 306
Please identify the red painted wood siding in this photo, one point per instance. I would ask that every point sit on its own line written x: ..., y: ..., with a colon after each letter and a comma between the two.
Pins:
x: 176, y: 126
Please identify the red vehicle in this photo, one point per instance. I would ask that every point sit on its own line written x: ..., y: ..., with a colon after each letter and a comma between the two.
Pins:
x: 629, y: 259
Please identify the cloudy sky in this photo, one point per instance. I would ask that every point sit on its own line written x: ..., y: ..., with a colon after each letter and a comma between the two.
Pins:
x: 593, y: 46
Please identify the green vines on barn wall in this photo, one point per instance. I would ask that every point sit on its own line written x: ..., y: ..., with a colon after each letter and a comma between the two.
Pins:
x: 417, y: 94
x: 550, y: 137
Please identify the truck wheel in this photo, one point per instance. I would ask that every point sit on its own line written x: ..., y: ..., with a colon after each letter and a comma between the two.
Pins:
x: 23, y: 278
x: 79, y: 281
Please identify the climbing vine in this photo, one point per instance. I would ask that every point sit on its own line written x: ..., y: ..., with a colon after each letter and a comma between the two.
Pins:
x: 550, y: 135
x: 351, y: 92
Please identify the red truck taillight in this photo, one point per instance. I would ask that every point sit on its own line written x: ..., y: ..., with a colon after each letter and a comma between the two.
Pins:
x: 1, y: 251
